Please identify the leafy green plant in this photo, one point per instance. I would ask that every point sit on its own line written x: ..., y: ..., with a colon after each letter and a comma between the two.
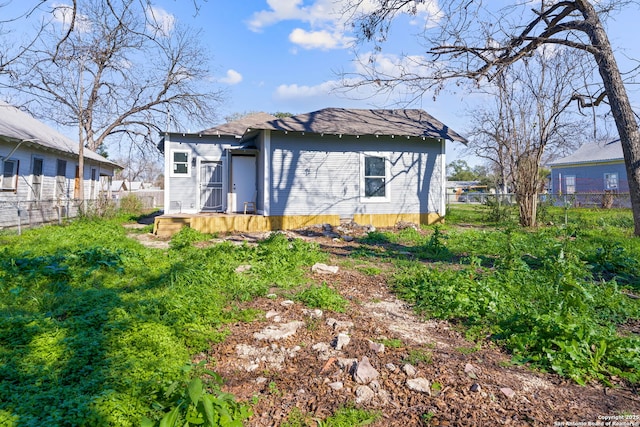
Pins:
x: 497, y: 210
x: 370, y: 270
x: 322, y: 297
x: 612, y: 261
x: 192, y: 404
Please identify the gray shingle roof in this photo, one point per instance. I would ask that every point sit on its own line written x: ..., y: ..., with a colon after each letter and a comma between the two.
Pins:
x: 238, y: 127
x: 593, y: 152
x: 410, y: 122
x: 20, y: 126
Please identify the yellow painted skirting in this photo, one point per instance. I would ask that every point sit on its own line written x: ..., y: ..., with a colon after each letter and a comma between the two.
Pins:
x: 389, y: 220
x: 253, y: 223
x: 167, y: 226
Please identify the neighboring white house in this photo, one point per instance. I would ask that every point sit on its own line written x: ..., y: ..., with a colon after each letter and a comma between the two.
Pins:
x: 369, y: 166
x: 39, y: 181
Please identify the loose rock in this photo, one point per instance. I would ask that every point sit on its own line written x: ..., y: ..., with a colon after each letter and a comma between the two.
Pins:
x: 321, y: 268
x: 314, y: 314
x: 364, y: 395
x: 409, y: 370
x: 421, y: 385
x: 376, y: 346
x: 243, y: 268
x: 274, y: 333
x: 508, y: 392
x: 339, y: 326
x: 364, y: 372
x: 338, y: 385
x: 341, y: 341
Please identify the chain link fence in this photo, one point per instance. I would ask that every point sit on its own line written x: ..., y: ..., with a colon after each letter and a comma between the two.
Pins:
x: 587, y: 200
x: 20, y: 214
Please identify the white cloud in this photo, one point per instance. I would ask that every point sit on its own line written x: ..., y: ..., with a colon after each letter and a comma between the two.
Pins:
x: 319, y: 39
x: 280, y: 10
x: 393, y: 66
x: 326, y: 20
x: 232, y: 78
x: 63, y: 13
x: 160, y: 21
x: 294, y: 91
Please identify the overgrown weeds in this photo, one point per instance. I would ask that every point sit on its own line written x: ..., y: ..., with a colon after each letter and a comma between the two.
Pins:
x: 552, y: 298
x: 96, y: 329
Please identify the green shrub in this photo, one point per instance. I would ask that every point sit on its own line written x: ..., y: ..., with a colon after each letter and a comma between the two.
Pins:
x: 131, y: 204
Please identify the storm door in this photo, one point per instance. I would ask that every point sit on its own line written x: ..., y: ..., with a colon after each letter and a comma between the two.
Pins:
x: 211, y: 186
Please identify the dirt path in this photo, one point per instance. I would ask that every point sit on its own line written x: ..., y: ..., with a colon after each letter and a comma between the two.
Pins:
x: 465, y: 385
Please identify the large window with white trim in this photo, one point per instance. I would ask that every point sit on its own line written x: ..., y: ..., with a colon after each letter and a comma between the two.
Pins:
x: 9, y: 175
x: 180, y: 163
x: 374, y: 177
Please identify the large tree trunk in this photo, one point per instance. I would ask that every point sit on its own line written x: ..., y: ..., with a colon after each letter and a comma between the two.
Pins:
x: 620, y: 108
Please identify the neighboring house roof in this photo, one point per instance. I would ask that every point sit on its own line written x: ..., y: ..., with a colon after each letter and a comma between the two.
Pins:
x: 411, y: 122
x: 19, y: 126
x: 238, y: 127
x: 593, y: 152
x: 117, y: 185
x: 136, y: 185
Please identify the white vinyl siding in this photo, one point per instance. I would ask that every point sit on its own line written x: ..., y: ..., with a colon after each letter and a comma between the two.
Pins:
x: 313, y: 175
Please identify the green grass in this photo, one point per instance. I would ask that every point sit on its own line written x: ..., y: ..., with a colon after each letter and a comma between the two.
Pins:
x: 96, y: 329
x: 392, y: 342
x: 346, y: 416
x: 322, y: 297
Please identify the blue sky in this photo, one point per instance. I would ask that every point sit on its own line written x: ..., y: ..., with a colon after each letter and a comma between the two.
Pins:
x: 286, y: 56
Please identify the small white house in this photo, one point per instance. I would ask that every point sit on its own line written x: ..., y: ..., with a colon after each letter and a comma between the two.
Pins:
x: 39, y: 181
x: 369, y: 166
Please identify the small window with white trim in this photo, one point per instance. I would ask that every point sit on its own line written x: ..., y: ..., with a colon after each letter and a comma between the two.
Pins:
x: 9, y: 175
x: 610, y: 181
x: 180, y: 163
x: 570, y: 184
x: 374, y: 177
